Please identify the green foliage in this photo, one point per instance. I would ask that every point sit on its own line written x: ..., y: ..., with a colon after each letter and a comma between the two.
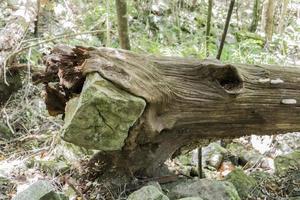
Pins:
x: 176, y: 28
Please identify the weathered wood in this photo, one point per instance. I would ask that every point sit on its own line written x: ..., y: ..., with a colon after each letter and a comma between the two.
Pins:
x: 14, y: 31
x: 187, y: 100
x: 16, y: 27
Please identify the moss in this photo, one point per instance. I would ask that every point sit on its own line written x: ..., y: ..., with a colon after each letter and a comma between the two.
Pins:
x: 243, y: 183
x: 148, y: 193
x: 4, y: 131
x: 231, y: 191
x: 203, y: 188
x: 101, y: 117
x: 286, y: 162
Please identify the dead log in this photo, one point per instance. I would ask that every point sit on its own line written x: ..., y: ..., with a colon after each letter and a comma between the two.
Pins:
x: 140, y: 109
x: 17, y: 25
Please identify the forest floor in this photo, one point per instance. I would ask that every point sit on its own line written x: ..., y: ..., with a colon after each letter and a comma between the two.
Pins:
x: 36, y: 152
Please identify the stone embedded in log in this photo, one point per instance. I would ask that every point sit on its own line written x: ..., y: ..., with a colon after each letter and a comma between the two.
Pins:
x: 101, y: 116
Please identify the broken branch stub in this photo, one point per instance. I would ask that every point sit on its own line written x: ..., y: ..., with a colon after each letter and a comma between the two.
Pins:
x: 148, y: 107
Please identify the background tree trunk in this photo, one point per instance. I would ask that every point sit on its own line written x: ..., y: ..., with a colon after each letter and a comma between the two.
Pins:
x: 188, y: 101
x: 268, y: 18
x: 208, y: 22
x: 255, y: 16
x: 36, y: 22
x: 284, y: 6
x: 121, y: 7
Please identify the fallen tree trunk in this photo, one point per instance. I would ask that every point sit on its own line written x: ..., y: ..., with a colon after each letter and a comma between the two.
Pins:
x: 18, y: 24
x: 141, y: 109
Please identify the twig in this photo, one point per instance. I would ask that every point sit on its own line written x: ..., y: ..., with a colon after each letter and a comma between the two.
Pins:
x: 56, y: 38
x: 7, y: 121
x: 14, y: 53
x: 6, y: 116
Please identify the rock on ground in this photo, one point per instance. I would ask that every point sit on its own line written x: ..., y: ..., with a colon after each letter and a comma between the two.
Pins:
x: 202, y: 188
x: 243, y: 183
x: 54, y: 196
x: 149, y: 192
x: 35, y: 191
x: 286, y: 162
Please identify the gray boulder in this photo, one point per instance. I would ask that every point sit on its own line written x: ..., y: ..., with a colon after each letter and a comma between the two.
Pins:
x: 35, y: 191
x: 149, y: 192
x: 202, y: 188
x: 247, y: 157
x: 54, y: 196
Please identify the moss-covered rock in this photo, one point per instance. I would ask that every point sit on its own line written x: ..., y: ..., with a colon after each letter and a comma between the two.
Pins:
x: 54, y: 196
x: 149, y: 192
x: 202, y: 188
x: 4, y: 131
x: 245, y: 157
x: 35, y: 191
x: 243, y: 183
x: 185, y: 159
x: 286, y: 162
x: 101, y: 116
x: 213, y: 155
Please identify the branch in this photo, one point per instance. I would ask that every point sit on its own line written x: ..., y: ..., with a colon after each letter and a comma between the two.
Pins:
x: 225, y: 29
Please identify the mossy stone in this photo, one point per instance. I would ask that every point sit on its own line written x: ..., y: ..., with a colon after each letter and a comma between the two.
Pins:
x: 286, y: 162
x: 243, y: 183
x: 149, y: 192
x: 101, y: 116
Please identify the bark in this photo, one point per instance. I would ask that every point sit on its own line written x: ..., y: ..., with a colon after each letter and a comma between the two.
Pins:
x: 268, y: 18
x: 282, y: 16
x: 255, y: 16
x: 121, y: 7
x: 187, y: 101
x: 17, y: 25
